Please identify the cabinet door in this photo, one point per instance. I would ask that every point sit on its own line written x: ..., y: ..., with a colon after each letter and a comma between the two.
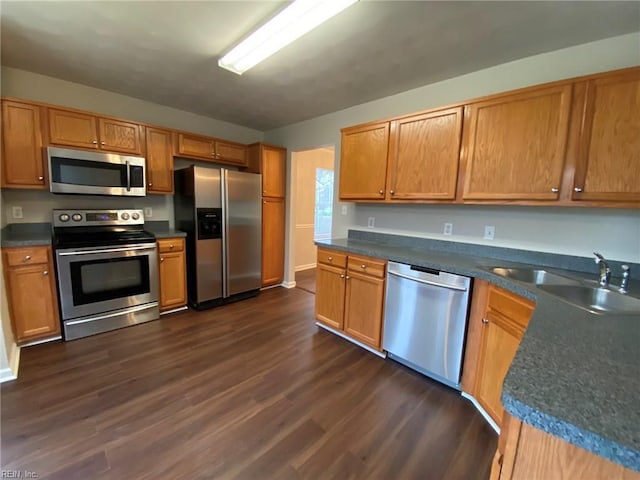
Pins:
x: 330, y: 289
x: 32, y: 301
x: 118, y: 136
x: 363, y: 162
x: 173, y: 280
x: 231, y: 153
x: 22, y: 155
x: 363, y: 308
x: 159, y: 161
x: 195, y: 146
x: 424, y: 155
x: 608, y: 165
x: 274, y: 162
x: 72, y: 129
x: 273, y: 216
x: 515, y: 145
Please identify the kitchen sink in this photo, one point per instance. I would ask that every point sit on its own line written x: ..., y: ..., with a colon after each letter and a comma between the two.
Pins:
x: 534, y: 275
x: 595, y: 299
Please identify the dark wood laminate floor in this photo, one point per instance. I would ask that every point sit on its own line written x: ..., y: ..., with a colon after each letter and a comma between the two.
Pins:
x: 252, y: 390
x: 306, y: 280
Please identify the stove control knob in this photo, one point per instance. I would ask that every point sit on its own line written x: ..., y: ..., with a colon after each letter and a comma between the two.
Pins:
x: 76, y: 217
x: 64, y: 217
x: 135, y: 215
x: 124, y: 216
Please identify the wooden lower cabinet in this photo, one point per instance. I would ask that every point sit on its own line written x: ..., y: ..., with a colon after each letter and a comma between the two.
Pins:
x: 273, y: 225
x: 172, y: 273
x: 497, y: 323
x: 527, y: 453
x: 31, y: 293
x: 348, y: 297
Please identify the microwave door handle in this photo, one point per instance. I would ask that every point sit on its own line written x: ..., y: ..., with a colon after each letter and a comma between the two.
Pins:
x: 128, y: 175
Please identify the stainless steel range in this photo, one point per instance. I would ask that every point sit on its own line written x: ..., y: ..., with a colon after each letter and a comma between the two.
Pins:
x: 107, y: 270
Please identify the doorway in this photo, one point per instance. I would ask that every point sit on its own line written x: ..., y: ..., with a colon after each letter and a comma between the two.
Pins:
x: 313, y: 180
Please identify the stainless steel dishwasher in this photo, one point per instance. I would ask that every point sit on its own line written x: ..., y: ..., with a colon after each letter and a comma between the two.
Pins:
x: 425, y: 320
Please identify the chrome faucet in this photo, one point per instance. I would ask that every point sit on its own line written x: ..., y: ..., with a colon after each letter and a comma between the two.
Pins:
x: 624, y: 285
x: 605, y: 271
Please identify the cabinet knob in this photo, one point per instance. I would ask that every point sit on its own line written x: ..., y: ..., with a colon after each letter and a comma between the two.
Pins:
x: 331, y: 259
x: 150, y: 184
x: 171, y: 246
x: 162, y: 259
x: 41, y: 178
x: 392, y: 192
x: 577, y: 189
x: 381, y: 192
x: 102, y: 143
x: 555, y: 190
x: 363, y: 266
x: 46, y: 272
x: 485, y: 321
x: 347, y: 277
x: 27, y: 258
x: 95, y: 142
x: 264, y: 201
x: 341, y: 276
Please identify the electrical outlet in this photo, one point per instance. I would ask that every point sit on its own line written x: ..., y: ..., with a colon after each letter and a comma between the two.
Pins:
x: 489, y: 232
x: 344, y: 209
x: 148, y: 212
x: 16, y: 212
x: 371, y: 222
x: 448, y: 228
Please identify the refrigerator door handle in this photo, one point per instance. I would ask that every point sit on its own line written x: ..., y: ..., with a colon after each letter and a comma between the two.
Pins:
x: 225, y: 230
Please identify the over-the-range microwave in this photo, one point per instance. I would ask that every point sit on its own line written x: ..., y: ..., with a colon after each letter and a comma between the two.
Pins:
x: 95, y: 173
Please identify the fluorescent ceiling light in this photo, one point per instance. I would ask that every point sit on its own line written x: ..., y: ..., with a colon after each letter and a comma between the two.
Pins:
x: 298, y: 18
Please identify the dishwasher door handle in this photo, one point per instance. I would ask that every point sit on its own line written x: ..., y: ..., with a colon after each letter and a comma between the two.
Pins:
x: 427, y: 282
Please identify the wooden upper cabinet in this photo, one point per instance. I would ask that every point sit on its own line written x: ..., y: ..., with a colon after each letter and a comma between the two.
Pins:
x: 274, y: 162
x: 228, y: 152
x: 424, y: 155
x: 515, y: 145
x: 73, y: 129
x: 119, y: 136
x: 195, y: 146
x: 22, y: 155
x: 159, y: 161
x: 363, y: 162
x: 608, y: 164
x: 77, y: 129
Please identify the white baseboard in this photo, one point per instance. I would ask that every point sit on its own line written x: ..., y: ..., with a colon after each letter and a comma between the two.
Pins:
x: 11, y: 372
x: 289, y: 284
x: 308, y: 266
x: 483, y: 412
x: 347, y: 337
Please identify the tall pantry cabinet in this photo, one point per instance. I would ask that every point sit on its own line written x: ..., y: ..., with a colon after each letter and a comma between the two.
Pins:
x: 271, y: 162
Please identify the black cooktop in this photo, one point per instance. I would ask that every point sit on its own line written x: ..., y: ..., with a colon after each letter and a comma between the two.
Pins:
x: 82, y: 237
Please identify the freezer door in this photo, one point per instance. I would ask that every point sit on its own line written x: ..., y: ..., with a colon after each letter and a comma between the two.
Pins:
x: 243, y: 231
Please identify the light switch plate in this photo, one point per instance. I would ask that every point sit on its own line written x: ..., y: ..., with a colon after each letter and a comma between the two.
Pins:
x: 448, y: 228
x: 344, y: 209
x: 16, y: 212
x: 371, y: 222
x: 489, y: 232
x: 148, y: 212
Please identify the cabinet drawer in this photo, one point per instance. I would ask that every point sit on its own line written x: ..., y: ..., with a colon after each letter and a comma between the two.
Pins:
x: 331, y: 257
x: 25, y: 256
x: 367, y: 265
x: 510, y: 306
x: 167, y: 245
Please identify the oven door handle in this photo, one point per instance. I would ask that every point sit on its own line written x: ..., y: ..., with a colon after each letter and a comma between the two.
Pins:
x: 128, y: 175
x: 106, y: 250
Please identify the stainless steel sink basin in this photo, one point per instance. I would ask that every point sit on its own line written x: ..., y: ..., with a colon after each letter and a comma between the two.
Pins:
x: 594, y: 299
x: 534, y: 275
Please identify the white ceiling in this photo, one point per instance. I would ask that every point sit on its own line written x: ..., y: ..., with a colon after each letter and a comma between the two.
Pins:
x: 166, y: 52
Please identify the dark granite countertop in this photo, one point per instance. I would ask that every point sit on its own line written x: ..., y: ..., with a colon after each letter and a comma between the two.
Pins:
x: 161, y: 229
x: 576, y: 374
x: 25, y: 235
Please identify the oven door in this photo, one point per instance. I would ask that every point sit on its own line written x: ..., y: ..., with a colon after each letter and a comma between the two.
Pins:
x: 96, y: 280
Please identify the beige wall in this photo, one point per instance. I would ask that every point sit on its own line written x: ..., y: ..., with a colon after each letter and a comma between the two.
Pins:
x: 547, y: 229
x: 306, y: 163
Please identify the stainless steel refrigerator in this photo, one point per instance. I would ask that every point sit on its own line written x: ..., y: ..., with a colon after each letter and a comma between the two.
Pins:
x: 221, y: 212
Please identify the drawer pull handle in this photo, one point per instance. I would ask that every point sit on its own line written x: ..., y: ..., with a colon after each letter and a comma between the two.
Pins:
x: 331, y: 259
x: 485, y: 321
x: 27, y: 258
